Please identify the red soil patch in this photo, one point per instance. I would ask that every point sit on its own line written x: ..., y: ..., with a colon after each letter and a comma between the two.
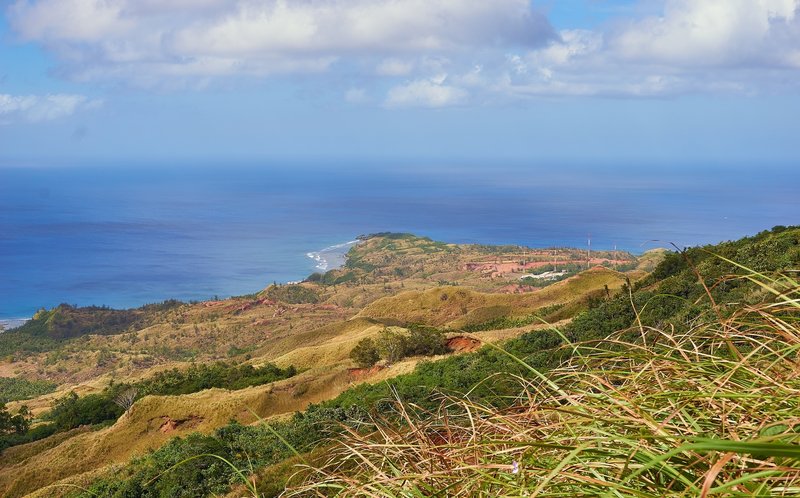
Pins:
x: 169, y: 425
x: 463, y: 344
x: 362, y: 373
x: 211, y: 304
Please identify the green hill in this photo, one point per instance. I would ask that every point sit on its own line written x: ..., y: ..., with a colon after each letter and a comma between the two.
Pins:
x: 679, y: 384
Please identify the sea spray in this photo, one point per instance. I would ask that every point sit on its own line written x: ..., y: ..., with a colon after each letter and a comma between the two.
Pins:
x: 331, y: 257
x: 11, y: 323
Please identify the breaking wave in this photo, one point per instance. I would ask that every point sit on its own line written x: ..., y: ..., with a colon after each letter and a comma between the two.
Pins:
x: 331, y: 257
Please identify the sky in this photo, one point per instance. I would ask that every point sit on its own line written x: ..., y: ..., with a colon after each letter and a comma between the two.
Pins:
x: 607, y: 81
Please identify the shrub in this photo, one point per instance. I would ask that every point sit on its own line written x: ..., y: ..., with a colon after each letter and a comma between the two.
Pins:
x: 72, y: 411
x: 14, y: 424
x: 425, y: 341
x: 392, y: 345
x: 199, y: 377
x: 365, y: 353
x: 314, y: 277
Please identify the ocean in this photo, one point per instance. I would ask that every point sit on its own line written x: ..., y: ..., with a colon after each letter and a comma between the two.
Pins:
x: 124, y: 236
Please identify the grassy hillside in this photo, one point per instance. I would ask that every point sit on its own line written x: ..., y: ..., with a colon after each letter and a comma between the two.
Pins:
x: 707, y: 411
x: 457, y: 307
x: 698, y: 315
x: 73, y: 346
x: 312, y: 326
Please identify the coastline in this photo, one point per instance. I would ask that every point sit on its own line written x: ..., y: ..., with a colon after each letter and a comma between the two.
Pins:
x: 11, y: 323
x: 326, y: 259
x: 332, y: 257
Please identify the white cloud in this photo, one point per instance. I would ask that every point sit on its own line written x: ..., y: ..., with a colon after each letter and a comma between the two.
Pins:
x: 711, y: 32
x: 490, y: 50
x: 395, y: 67
x: 431, y: 92
x: 122, y: 39
x: 39, y: 108
x: 693, y: 46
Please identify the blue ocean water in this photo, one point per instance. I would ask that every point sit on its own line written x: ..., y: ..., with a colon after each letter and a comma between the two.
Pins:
x: 128, y: 235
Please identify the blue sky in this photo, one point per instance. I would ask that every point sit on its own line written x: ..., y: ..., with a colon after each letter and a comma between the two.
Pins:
x: 668, y: 81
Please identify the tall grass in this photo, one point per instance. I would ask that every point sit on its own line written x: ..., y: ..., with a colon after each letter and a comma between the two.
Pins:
x: 713, y: 410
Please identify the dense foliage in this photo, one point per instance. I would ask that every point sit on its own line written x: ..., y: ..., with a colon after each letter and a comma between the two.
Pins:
x: 205, y: 376
x: 73, y: 411
x: 393, y: 345
x: 365, y: 354
x: 14, y: 428
x: 14, y: 424
x: 15, y: 388
x: 48, y: 329
x: 69, y: 412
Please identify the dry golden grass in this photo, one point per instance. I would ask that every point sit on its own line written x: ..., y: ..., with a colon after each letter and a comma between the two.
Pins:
x: 332, y: 351
x: 456, y: 307
x: 708, y: 411
x: 144, y: 427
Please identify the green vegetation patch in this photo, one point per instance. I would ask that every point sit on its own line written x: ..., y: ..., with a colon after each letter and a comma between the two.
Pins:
x: 394, y: 345
x: 48, y: 329
x: 183, y: 467
x: 200, y: 377
x: 16, y: 388
x: 73, y: 411
x: 292, y: 294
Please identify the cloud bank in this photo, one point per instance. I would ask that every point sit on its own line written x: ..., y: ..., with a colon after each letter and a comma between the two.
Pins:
x: 422, y: 53
x: 261, y: 37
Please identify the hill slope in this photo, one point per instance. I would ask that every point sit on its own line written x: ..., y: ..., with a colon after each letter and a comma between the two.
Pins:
x: 311, y: 326
x: 684, y: 317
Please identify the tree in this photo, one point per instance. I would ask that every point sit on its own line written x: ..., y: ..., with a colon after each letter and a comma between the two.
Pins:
x: 393, y: 346
x: 14, y: 424
x: 425, y: 341
x: 126, y: 398
x: 365, y: 354
x: 72, y: 411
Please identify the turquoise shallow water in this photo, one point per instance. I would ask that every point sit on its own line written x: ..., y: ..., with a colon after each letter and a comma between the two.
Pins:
x: 125, y: 236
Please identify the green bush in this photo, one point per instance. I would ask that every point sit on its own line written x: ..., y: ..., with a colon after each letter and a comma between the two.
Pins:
x: 365, y: 353
x: 14, y: 424
x: 425, y: 341
x: 72, y: 411
x: 392, y: 345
